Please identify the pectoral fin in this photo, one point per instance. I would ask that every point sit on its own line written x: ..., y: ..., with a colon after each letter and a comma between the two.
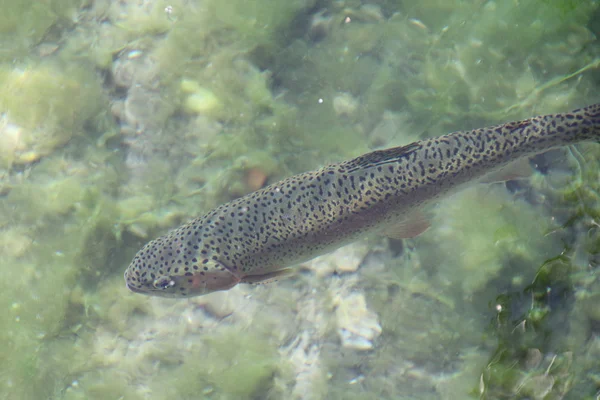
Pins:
x: 415, y: 224
x: 515, y: 170
x: 269, y: 277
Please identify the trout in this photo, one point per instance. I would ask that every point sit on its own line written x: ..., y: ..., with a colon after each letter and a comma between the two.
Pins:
x: 258, y: 237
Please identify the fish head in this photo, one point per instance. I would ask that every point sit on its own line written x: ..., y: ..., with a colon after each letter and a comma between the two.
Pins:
x: 157, y: 274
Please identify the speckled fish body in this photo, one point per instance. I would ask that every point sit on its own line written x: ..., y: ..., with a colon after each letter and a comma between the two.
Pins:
x: 255, y: 237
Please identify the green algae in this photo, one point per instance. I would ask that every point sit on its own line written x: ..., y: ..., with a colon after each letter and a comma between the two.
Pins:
x: 219, y: 363
x: 100, y: 385
x: 98, y: 234
x: 230, y: 365
x: 36, y: 303
x: 459, y: 60
x: 492, y: 230
x: 531, y: 319
x: 48, y: 105
x: 139, y: 21
x: 44, y: 211
x: 24, y: 24
x: 530, y: 329
x: 257, y: 21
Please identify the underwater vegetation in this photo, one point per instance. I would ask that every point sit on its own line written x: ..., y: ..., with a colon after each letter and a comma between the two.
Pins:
x: 547, y: 331
x: 119, y: 120
x: 38, y: 114
x: 25, y: 24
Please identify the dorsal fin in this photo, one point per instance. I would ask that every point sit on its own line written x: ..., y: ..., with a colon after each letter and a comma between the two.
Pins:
x: 380, y: 157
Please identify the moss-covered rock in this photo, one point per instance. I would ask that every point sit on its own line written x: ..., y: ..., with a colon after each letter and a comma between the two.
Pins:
x: 24, y: 24
x: 44, y: 106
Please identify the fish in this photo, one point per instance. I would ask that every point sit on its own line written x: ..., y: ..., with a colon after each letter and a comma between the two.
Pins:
x: 259, y: 237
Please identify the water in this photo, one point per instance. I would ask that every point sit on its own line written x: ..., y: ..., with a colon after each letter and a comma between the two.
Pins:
x: 122, y: 119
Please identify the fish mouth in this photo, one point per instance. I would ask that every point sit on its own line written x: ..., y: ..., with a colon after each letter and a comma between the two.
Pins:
x: 133, y: 288
x: 129, y: 285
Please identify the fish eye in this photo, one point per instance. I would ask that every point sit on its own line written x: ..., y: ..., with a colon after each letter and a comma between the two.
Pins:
x: 163, y: 282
